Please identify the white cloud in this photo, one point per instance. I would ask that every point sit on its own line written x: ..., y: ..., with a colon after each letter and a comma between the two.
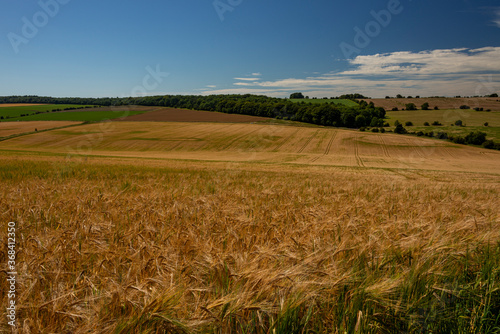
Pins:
x: 256, y: 74
x: 434, y: 72
x: 247, y: 79
x: 243, y: 84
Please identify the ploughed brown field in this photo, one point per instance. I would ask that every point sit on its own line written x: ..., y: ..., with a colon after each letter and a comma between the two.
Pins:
x: 186, y: 115
x: 492, y: 103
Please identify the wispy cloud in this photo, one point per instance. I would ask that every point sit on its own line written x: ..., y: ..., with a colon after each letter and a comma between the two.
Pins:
x: 435, y: 72
x: 247, y: 79
x: 496, y: 20
x: 256, y: 74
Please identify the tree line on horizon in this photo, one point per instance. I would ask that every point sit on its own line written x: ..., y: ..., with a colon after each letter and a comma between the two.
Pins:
x: 328, y: 114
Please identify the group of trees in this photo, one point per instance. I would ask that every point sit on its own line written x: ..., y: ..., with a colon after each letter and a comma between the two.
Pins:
x: 356, y: 96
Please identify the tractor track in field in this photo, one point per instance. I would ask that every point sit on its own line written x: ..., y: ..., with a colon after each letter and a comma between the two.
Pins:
x: 210, y: 131
x: 307, y: 142
x: 315, y: 158
x: 359, y: 161
x: 384, y: 147
x: 330, y: 143
x: 277, y: 148
x: 328, y: 147
x: 238, y: 138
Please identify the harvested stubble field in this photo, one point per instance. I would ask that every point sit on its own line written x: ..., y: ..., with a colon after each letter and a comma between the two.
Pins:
x: 163, y: 242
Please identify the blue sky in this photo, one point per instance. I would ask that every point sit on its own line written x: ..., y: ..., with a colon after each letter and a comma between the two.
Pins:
x: 321, y: 47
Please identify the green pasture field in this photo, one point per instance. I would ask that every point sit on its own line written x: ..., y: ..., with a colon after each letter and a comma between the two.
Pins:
x: 84, y: 116
x: 18, y: 111
x: 472, y: 121
x: 345, y: 102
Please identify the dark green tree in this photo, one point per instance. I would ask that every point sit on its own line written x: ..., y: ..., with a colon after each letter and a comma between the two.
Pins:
x: 400, y: 129
x: 411, y: 106
x: 296, y: 95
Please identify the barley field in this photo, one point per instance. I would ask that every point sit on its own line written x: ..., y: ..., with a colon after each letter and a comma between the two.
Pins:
x: 145, y: 242
x: 257, y: 143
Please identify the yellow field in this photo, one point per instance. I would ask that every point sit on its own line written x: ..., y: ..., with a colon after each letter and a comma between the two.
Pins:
x: 234, y: 228
x: 259, y: 143
x: 12, y: 128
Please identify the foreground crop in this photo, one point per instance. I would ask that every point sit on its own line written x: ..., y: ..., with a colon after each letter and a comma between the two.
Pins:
x: 220, y: 248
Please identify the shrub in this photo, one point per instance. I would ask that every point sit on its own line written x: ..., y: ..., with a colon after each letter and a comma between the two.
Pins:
x: 411, y: 106
x: 489, y: 144
x: 459, y: 122
x: 386, y: 125
x: 395, y: 109
x: 475, y: 138
x: 409, y: 124
x: 486, y: 124
x: 436, y: 108
x: 375, y: 130
x: 400, y: 129
x: 382, y: 130
x: 457, y: 139
x: 420, y: 133
x: 425, y: 106
x: 442, y: 135
x: 396, y: 123
x: 464, y: 107
x: 426, y: 124
x: 436, y: 123
x: 362, y: 129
